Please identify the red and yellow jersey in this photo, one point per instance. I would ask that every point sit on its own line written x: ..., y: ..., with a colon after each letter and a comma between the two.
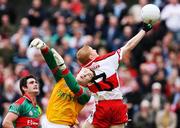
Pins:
x: 63, y: 107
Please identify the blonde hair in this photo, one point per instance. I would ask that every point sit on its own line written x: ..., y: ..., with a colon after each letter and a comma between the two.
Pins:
x: 83, y: 54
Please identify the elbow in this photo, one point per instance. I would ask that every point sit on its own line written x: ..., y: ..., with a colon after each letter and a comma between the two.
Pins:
x: 83, y: 99
x: 125, y: 50
x: 5, y: 124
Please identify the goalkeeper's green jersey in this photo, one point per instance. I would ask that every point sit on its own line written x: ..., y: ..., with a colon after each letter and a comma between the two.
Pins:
x: 67, y: 98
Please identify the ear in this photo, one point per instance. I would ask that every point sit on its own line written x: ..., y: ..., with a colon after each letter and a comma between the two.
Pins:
x: 24, y: 88
x: 91, y: 57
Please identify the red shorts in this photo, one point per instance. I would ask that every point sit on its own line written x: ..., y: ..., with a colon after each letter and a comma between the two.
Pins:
x: 109, y: 112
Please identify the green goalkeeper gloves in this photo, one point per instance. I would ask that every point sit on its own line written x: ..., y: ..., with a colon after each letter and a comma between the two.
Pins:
x: 146, y: 27
x: 59, y: 60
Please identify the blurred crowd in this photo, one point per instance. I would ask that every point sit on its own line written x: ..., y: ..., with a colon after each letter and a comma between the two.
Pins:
x: 150, y: 74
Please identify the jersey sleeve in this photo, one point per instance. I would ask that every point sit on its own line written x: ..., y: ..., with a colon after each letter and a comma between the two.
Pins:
x: 82, y: 94
x: 15, y: 108
x: 118, y: 56
x: 119, y: 53
x: 115, y: 58
x: 49, y: 58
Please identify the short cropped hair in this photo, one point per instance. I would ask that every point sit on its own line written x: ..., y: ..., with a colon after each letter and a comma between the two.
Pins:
x: 23, y: 82
x: 83, y: 54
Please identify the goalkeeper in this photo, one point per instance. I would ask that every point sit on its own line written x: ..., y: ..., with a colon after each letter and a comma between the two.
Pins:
x: 65, y: 102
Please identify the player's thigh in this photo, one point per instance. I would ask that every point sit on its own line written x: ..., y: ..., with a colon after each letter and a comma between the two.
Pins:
x: 118, y: 126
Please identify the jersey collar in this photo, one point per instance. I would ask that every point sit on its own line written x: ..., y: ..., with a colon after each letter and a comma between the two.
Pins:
x: 29, y: 98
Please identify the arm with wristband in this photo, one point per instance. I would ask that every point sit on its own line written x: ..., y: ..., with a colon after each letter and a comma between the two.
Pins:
x: 48, y: 56
x: 134, y: 41
x: 59, y: 69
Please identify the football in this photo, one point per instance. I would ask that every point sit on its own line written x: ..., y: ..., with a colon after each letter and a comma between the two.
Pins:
x: 150, y: 13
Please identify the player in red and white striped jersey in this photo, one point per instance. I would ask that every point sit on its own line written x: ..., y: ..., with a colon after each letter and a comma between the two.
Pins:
x: 110, y: 111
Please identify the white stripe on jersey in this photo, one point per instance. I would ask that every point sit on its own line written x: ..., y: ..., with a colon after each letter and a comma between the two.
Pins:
x: 109, y: 95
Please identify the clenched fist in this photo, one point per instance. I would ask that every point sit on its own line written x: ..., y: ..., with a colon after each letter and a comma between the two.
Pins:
x: 37, y: 43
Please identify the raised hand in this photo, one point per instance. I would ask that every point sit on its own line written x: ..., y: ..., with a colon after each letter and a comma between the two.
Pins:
x: 146, y: 27
x: 37, y: 43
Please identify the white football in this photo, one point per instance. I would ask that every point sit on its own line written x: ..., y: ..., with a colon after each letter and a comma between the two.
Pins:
x: 150, y: 13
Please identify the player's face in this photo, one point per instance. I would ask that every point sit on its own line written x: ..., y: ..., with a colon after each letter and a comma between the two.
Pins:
x: 84, y: 76
x: 32, y: 86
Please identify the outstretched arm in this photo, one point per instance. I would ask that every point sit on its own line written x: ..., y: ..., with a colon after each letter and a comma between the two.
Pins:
x: 133, y: 42
x: 57, y: 66
x: 48, y: 56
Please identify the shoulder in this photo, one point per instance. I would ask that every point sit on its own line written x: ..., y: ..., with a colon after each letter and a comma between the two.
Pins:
x: 61, y: 83
x: 20, y: 101
x: 39, y: 109
x: 105, y: 56
x: 17, y: 106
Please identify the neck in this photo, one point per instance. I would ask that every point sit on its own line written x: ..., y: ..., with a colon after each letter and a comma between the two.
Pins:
x: 31, y: 97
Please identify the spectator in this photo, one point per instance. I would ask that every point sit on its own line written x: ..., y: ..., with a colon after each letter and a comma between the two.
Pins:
x: 171, y: 14
x: 76, y: 7
x: 51, y: 11
x: 45, y: 31
x: 135, y: 10
x: 145, y: 82
x: 7, y: 29
x: 156, y: 98
x: 7, y: 9
x: 64, y: 10
x: 61, y: 33
x: 166, y: 118
x: 91, y: 12
x: 119, y: 9
x: 6, y: 47
x: 97, y: 25
x: 36, y: 14
x: 9, y: 92
x: 104, y: 7
x: 112, y: 34
x: 144, y: 118
x: 134, y: 98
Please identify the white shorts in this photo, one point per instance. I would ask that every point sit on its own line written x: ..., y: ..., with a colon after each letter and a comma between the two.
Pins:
x: 46, y: 124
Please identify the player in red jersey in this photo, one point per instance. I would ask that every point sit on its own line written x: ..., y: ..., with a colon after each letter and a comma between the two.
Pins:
x: 110, y: 111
